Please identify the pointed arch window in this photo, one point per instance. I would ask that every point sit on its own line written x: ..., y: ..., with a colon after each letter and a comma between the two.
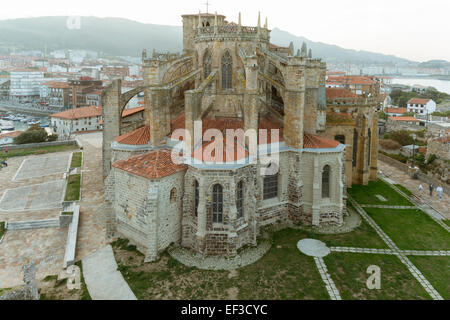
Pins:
x: 326, y: 182
x: 240, y: 199
x: 196, y: 197
x: 207, y: 64
x: 217, y: 204
x: 270, y: 184
x: 227, y: 71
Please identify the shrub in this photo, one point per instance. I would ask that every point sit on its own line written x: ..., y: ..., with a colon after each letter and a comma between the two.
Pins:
x: 401, y: 137
x: 34, y: 134
x: 52, y: 137
x: 389, y: 144
x: 431, y: 158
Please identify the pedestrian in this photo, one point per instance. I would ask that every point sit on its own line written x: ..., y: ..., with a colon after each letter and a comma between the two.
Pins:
x: 440, y: 190
x: 431, y: 190
x: 6, y: 150
x: 420, y: 189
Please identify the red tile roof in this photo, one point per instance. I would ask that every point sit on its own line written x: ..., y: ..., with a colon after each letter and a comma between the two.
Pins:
x: 11, y: 134
x: 333, y: 93
x: 153, y: 165
x: 396, y: 110
x: 137, y: 137
x: 79, y: 113
x: 404, y: 119
x: 131, y: 111
x: 56, y: 84
x: 418, y: 101
x: 352, y: 80
x: 311, y: 141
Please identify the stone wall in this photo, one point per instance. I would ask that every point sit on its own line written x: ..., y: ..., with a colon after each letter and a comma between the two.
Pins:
x: 30, y: 290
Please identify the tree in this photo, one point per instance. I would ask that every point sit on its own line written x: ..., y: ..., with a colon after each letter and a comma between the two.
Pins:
x: 401, y: 137
x: 34, y: 134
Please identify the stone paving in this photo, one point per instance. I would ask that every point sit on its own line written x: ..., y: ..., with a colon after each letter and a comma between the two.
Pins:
x: 401, y: 255
x: 102, y: 279
x: 244, y: 258
x: 442, y: 205
x: 329, y: 283
x: 43, y: 246
x: 43, y: 166
x: 392, y: 252
x: 91, y: 235
x: 47, y: 195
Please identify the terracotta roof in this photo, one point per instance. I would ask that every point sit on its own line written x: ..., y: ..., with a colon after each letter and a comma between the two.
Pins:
x: 311, y: 141
x: 418, y: 101
x: 11, y: 134
x: 152, y: 165
x: 333, y: 93
x: 396, y: 110
x: 404, y: 119
x: 352, y: 79
x: 137, y: 137
x: 231, y: 152
x: 56, y: 84
x: 131, y: 111
x: 79, y: 113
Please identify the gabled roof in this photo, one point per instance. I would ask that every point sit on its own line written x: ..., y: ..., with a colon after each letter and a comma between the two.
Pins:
x: 396, y: 110
x: 311, y: 141
x: 333, y: 93
x: 352, y: 80
x: 131, y: 111
x: 418, y: 101
x: 79, y: 113
x: 137, y: 137
x: 404, y: 119
x: 153, y: 165
x: 10, y: 134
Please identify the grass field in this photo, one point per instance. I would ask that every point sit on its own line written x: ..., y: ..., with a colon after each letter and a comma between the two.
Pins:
x: 37, y: 150
x: 437, y: 271
x: 349, y: 273
x: 2, y: 229
x: 411, y: 229
x: 366, y: 194
x: 77, y: 158
x: 73, y: 188
x: 405, y: 190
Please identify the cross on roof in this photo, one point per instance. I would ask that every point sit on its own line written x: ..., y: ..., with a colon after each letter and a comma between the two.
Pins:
x: 207, y: 6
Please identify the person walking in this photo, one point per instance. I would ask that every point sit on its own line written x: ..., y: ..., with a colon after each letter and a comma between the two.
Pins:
x: 431, y: 190
x: 420, y: 189
x: 6, y: 150
x: 439, y: 190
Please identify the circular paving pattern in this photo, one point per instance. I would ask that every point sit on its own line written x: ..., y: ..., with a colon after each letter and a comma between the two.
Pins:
x: 313, y: 248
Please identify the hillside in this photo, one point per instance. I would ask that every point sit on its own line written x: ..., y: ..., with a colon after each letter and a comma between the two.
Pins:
x: 122, y: 37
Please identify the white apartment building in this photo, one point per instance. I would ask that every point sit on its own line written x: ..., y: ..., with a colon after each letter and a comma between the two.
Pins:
x: 76, y: 120
x: 25, y: 84
x: 421, y: 106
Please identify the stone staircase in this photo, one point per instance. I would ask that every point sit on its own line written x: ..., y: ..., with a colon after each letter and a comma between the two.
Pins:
x: 35, y: 224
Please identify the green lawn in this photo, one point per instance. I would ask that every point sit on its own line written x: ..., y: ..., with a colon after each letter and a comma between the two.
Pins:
x: 405, y: 190
x: 411, y: 229
x: 2, y: 229
x: 447, y: 222
x: 436, y: 270
x: 76, y: 160
x: 73, y: 188
x: 349, y: 273
x: 37, y: 150
x: 366, y: 194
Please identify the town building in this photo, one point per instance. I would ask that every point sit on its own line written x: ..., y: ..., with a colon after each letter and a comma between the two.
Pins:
x: 421, y: 106
x: 80, y: 88
x: 360, y: 85
x: 395, y: 112
x: 8, y: 137
x: 168, y: 178
x: 76, y: 120
x: 5, y: 84
x: 25, y: 84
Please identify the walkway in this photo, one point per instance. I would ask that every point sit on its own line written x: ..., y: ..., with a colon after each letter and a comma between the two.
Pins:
x: 103, y: 280
x: 442, y: 205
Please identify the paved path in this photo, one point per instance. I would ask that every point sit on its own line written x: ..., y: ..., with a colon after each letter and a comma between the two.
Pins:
x: 103, y: 280
x: 329, y: 283
x: 441, y: 205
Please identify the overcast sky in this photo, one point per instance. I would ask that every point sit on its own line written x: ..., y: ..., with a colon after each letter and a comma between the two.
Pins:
x: 413, y: 29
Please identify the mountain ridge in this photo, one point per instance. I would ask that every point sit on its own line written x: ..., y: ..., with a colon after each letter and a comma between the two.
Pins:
x: 124, y: 37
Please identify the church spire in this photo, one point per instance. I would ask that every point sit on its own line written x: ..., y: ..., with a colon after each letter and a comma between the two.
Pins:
x: 199, y: 19
x: 259, y: 19
x: 239, y: 23
x: 266, y: 26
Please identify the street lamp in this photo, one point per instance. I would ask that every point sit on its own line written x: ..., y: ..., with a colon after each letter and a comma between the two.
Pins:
x: 414, y: 149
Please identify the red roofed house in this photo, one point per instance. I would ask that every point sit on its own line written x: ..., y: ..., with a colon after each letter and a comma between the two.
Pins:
x: 361, y: 85
x: 421, y: 106
x: 395, y: 112
x: 8, y: 138
x: 76, y: 120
